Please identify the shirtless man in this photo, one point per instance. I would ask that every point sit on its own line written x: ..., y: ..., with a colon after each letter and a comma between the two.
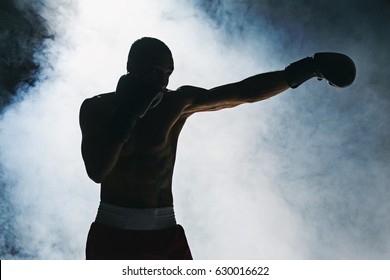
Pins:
x: 129, y: 140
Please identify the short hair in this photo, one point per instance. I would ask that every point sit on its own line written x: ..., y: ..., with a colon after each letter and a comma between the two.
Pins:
x: 140, y: 50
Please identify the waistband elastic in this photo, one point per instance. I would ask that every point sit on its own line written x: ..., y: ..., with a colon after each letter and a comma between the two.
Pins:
x: 136, y: 218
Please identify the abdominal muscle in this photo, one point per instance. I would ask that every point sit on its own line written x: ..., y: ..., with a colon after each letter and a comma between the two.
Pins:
x: 141, y: 180
x: 142, y: 177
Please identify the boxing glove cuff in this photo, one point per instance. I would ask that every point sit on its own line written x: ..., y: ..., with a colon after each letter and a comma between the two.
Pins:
x: 300, y: 71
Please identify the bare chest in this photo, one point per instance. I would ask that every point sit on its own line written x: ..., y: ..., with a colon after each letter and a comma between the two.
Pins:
x: 157, y: 132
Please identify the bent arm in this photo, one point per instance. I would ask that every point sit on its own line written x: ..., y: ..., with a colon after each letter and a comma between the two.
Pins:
x: 100, y: 151
x: 252, y: 89
x: 100, y: 157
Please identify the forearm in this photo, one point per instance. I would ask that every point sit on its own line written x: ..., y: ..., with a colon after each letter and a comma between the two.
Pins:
x: 262, y: 86
x: 101, y: 152
x: 100, y: 157
x: 249, y: 90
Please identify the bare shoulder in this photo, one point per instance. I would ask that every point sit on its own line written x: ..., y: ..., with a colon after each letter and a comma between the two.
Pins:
x: 97, y: 101
x: 187, y: 96
x: 190, y: 90
x: 199, y: 99
x: 95, y: 110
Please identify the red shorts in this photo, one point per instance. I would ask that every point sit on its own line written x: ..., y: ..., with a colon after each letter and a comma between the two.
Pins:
x: 110, y: 243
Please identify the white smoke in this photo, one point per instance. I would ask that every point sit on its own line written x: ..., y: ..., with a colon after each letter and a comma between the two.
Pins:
x: 272, y: 180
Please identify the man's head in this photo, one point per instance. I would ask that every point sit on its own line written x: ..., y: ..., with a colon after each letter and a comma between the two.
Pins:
x: 150, y: 58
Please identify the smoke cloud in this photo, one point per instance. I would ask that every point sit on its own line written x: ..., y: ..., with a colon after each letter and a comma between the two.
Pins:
x: 303, y: 175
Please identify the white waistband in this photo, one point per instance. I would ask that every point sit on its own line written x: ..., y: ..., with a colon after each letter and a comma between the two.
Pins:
x: 136, y: 218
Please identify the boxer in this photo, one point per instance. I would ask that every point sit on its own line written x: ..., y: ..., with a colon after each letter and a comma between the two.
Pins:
x: 129, y: 141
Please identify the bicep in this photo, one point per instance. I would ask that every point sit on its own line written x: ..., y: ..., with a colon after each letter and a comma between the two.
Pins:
x: 252, y: 89
x: 93, y: 120
x: 86, y: 117
x: 202, y: 100
x: 92, y: 128
x: 88, y: 128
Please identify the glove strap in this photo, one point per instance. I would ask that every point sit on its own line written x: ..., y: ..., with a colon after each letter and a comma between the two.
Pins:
x: 300, y: 71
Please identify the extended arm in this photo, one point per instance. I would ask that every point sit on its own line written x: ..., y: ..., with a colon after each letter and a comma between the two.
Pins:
x: 252, y: 89
x: 338, y: 69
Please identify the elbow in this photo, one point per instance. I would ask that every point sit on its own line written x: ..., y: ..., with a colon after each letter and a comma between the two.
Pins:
x: 97, y: 180
x: 96, y: 175
x: 95, y: 171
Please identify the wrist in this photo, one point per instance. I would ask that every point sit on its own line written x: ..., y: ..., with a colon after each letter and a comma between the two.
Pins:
x: 300, y: 71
